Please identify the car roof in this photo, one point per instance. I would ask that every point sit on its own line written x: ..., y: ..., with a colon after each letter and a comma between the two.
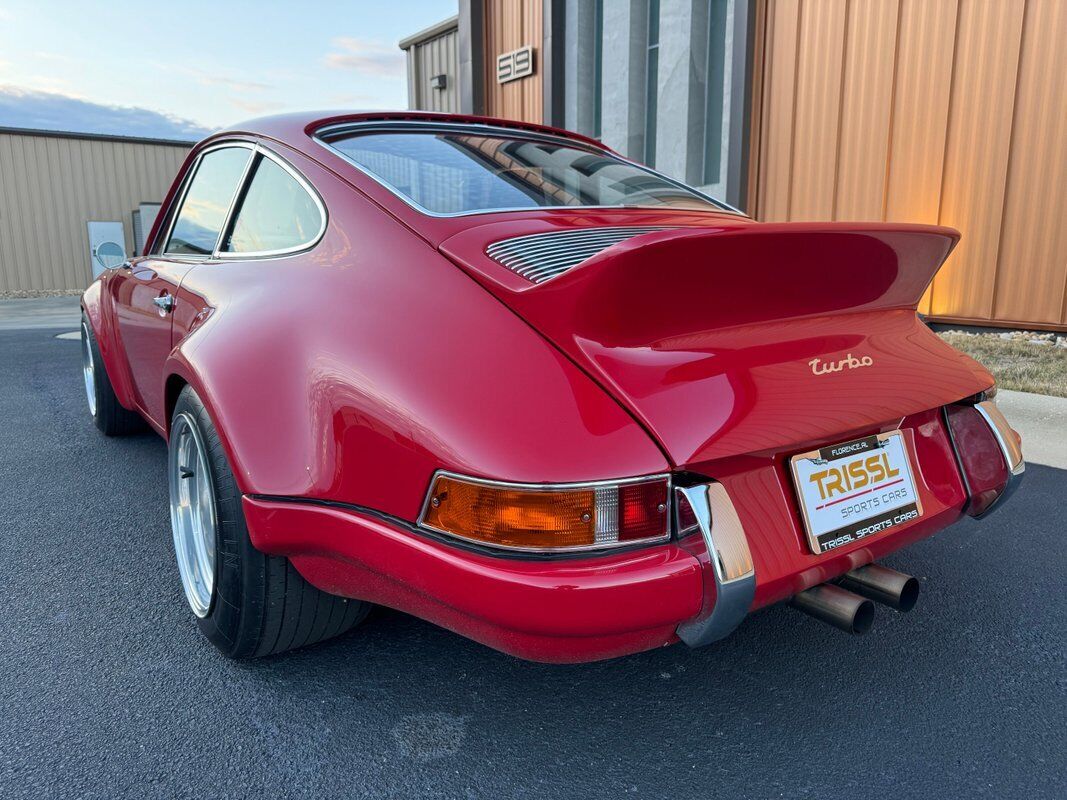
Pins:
x: 296, y: 131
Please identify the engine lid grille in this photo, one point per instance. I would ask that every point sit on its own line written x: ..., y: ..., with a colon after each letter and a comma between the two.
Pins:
x: 542, y: 256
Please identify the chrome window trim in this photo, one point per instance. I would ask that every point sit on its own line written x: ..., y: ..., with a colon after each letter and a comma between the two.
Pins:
x: 546, y: 487
x: 418, y: 126
x: 180, y: 201
x: 217, y: 254
x: 246, y: 183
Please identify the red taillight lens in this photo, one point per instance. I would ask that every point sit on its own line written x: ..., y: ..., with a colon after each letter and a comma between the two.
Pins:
x: 988, y: 452
x: 642, y: 511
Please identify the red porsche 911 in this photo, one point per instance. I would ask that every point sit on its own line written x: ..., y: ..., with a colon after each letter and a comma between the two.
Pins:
x: 494, y: 375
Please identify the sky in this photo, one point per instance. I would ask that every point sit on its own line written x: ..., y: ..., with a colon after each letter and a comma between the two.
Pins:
x: 182, y: 70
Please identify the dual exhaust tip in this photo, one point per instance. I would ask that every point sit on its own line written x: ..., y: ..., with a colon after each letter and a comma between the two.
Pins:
x: 847, y: 604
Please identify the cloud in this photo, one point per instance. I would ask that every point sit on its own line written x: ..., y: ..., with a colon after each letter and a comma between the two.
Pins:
x: 366, y: 56
x: 210, y: 78
x: 21, y: 108
x: 232, y: 83
x: 253, y: 107
x: 359, y: 99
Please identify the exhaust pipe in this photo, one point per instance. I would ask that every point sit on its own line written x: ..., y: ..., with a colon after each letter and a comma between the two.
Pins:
x: 883, y: 585
x: 839, y: 607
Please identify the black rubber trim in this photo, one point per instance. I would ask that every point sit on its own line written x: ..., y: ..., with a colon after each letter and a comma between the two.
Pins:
x: 458, y: 544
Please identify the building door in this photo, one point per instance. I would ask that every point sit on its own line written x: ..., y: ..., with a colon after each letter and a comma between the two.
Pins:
x: 107, y: 245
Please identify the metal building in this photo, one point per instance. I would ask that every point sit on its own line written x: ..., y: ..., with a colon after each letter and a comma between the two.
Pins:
x: 938, y: 111
x: 433, y: 67
x: 71, y: 203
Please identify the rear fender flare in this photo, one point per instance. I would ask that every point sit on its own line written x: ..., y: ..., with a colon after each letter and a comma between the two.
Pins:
x: 96, y: 306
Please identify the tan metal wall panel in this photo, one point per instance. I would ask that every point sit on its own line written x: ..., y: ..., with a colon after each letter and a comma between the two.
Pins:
x: 820, y: 63
x: 1036, y: 198
x: 779, y: 95
x: 509, y: 25
x: 925, y: 47
x: 976, y: 155
x: 943, y: 111
x: 437, y: 56
x: 867, y: 100
x: 51, y: 186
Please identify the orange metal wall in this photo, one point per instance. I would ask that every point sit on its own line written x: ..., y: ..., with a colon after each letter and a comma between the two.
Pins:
x: 509, y: 25
x: 946, y: 111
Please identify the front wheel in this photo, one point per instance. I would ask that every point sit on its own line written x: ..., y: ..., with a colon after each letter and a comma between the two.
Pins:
x: 247, y: 603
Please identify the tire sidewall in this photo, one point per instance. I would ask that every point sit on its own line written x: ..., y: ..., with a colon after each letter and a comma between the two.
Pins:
x: 222, y: 623
x: 99, y: 373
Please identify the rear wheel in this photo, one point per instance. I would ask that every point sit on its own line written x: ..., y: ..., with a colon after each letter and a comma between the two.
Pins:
x: 108, y: 414
x: 247, y: 603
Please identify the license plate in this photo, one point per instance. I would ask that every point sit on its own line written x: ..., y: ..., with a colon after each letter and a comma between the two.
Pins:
x: 856, y: 489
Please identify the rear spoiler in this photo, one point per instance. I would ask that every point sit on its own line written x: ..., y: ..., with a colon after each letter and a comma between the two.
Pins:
x: 675, y: 282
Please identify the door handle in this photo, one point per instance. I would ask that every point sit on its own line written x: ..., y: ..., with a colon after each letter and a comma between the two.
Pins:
x: 164, y: 302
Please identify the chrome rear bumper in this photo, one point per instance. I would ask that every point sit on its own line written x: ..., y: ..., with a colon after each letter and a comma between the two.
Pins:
x: 1009, y: 447
x: 729, y: 574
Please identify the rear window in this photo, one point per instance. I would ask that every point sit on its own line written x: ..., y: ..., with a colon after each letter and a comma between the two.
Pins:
x: 454, y: 172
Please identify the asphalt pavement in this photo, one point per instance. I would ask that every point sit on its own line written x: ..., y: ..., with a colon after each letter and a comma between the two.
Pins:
x: 108, y: 690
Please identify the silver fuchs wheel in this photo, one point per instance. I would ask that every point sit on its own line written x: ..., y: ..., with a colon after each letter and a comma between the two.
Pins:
x: 192, y: 513
x: 88, y: 369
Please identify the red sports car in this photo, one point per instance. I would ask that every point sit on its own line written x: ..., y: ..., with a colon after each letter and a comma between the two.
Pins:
x: 497, y: 376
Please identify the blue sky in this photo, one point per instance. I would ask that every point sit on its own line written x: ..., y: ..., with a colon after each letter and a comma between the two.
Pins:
x: 179, y: 70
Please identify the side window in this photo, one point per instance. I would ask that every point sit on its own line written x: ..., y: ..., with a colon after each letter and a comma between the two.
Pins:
x: 203, y: 210
x: 275, y: 214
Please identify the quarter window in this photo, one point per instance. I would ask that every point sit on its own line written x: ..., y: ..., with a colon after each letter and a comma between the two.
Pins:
x: 276, y: 213
x: 203, y: 210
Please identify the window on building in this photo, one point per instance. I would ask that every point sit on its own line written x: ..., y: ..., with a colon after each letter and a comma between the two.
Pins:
x: 275, y: 214
x: 716, y: 95
x: 207, y: 201
x: 456, y: 172
x: 598, y: 68
x: 651, y: 82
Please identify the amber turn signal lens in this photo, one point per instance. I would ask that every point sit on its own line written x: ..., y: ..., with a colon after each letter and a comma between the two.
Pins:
x: 545, y: 518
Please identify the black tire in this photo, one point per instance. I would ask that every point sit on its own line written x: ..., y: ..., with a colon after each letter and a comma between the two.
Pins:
x: 108, y: 414
x: 260, y: 604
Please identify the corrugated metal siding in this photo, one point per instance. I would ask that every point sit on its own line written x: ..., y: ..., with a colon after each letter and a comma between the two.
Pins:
x: 509, y: 25
x: 1033, y: 239
x: 946, y: 111
x: 437, y: 56
x: 50, y: 187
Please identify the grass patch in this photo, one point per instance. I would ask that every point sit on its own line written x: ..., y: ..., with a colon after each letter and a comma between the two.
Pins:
x: 1017, y: 364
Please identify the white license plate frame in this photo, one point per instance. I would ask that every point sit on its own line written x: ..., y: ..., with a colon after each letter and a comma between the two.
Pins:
x: 873, y: 506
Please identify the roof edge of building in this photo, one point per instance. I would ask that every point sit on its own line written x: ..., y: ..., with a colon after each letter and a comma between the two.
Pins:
x: 435, y: 30
x: 105, y: 137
